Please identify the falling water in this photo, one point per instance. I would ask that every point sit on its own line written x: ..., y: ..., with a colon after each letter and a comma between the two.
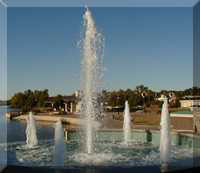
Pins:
x: 127, y: 124
x: 165, y: 135
x: 91, y: 84
x: 59, y: 145
x: 31, y: 135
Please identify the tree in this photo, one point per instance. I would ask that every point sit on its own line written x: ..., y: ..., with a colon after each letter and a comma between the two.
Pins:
x: 59, y: 102
x: 141, y: 88
x: 41, y: 97
x: 17, y: 100
x: 27, y: 100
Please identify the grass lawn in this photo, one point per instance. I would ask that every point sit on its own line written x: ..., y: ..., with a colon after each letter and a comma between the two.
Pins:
x: 147, y: 119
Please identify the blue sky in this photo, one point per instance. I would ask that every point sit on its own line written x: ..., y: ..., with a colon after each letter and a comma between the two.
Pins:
x: 150, y: 46
x: 102, y: 3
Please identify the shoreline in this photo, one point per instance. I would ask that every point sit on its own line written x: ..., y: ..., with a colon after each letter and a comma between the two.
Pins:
x: 76, y: 121
x: 53, y: 119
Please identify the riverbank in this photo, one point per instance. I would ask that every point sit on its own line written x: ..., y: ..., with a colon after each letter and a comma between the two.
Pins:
x: 113, y: 120
x: 53, y: 119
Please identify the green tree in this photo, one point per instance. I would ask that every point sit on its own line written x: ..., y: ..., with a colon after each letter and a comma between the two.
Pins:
x: 27, y: 100
x: 59, y: 102
x: 17, y: 100
x: 41, y: 97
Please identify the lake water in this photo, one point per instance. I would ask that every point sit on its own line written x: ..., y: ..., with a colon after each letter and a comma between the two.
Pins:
x: 12, y: 131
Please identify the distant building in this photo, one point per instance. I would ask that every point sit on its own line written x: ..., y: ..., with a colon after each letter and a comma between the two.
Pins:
x: 190, y: 102
x: 186, y: 103
x: 72, y: 103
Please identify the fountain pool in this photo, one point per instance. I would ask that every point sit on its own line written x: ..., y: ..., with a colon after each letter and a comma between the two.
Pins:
x: 109, y: 151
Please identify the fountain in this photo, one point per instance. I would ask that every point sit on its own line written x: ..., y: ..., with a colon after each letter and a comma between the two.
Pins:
x: 92, y: 79
x: 102, y: 148
x: 165, y: 134
x: 31, y: 135
x: 127, y: 124
x: 59, y: 151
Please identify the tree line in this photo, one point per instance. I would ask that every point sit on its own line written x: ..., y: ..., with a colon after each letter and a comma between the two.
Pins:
x: 140, y: 96
x: 145, y: 97
x: 29, y: 99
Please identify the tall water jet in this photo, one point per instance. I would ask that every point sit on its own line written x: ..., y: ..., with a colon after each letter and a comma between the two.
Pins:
x: 127, y: 124
x: 59, y: 142
x: 91, y: 84
x: 31, y: 135
x: 165, y: 134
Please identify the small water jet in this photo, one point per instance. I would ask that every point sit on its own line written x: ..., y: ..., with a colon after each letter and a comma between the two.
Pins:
x: 59, y: 142
x: 31, y: 135
x: 165, y: 134
x: 127, y: 124
x: 91, y: 84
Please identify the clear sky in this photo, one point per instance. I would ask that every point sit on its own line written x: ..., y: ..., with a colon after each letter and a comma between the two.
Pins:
x: 150, y: 46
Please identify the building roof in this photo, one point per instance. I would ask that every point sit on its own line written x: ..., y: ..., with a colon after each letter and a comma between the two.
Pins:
x: 191, y: 98
x: 71, y: 98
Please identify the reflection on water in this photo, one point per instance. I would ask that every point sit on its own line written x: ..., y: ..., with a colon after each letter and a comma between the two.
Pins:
x: 3, y: 135
x: 109, y: 151
x: 107, y: 154
x: 16, y: 130
x: 164, y: 168
x: 12, y: 131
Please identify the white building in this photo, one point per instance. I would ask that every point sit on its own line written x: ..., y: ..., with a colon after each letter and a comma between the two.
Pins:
x: 190, y: 103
